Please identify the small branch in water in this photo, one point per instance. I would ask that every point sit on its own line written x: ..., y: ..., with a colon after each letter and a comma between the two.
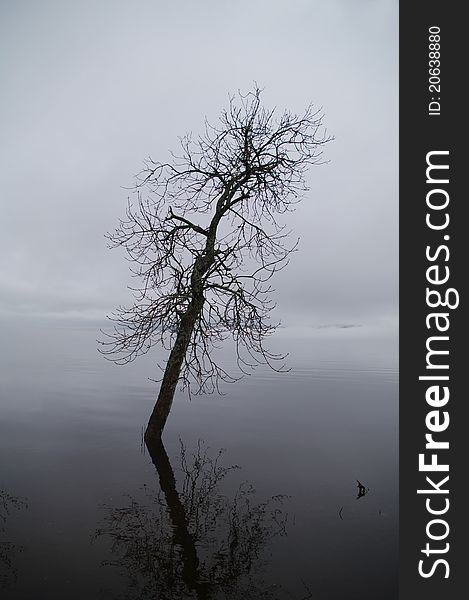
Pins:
x: 362, y: 490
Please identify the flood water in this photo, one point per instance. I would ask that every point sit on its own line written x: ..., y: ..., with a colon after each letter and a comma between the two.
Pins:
x: 254, y: 494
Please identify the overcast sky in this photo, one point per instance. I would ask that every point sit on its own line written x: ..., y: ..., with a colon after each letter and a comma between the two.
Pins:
x: 90, y: 88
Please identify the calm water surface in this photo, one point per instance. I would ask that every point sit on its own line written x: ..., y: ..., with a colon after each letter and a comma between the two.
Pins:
x: 254, y: 494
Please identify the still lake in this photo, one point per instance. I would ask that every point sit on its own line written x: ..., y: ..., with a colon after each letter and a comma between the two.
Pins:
x: 85, y: 513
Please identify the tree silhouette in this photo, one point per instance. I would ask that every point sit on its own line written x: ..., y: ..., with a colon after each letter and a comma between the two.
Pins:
x: 203, y: 234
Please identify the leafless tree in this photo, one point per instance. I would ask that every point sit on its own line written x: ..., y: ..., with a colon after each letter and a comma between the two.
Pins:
x: 203, y: 235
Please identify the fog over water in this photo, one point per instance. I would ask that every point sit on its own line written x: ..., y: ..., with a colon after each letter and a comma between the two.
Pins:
x: 90, y: 89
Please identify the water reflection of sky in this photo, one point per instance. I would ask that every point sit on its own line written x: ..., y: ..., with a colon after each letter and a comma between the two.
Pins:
x: 70, y: 443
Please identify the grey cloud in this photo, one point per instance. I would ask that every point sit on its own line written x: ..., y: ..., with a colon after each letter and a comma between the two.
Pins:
x: 91, y: 89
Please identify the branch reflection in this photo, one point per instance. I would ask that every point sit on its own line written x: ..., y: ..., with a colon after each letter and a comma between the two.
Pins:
x: 196, y: 541
x: 8, y: 550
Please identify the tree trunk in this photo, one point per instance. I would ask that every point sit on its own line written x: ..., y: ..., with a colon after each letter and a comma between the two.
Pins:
x: 171, y: 375
x: 186, y: 327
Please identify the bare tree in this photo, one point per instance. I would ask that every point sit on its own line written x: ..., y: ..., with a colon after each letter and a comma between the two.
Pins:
x: 203, y: 235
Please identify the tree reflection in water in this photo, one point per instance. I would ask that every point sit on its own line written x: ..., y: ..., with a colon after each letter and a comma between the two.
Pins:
x: 195, y: 542
x: 8, y: 550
